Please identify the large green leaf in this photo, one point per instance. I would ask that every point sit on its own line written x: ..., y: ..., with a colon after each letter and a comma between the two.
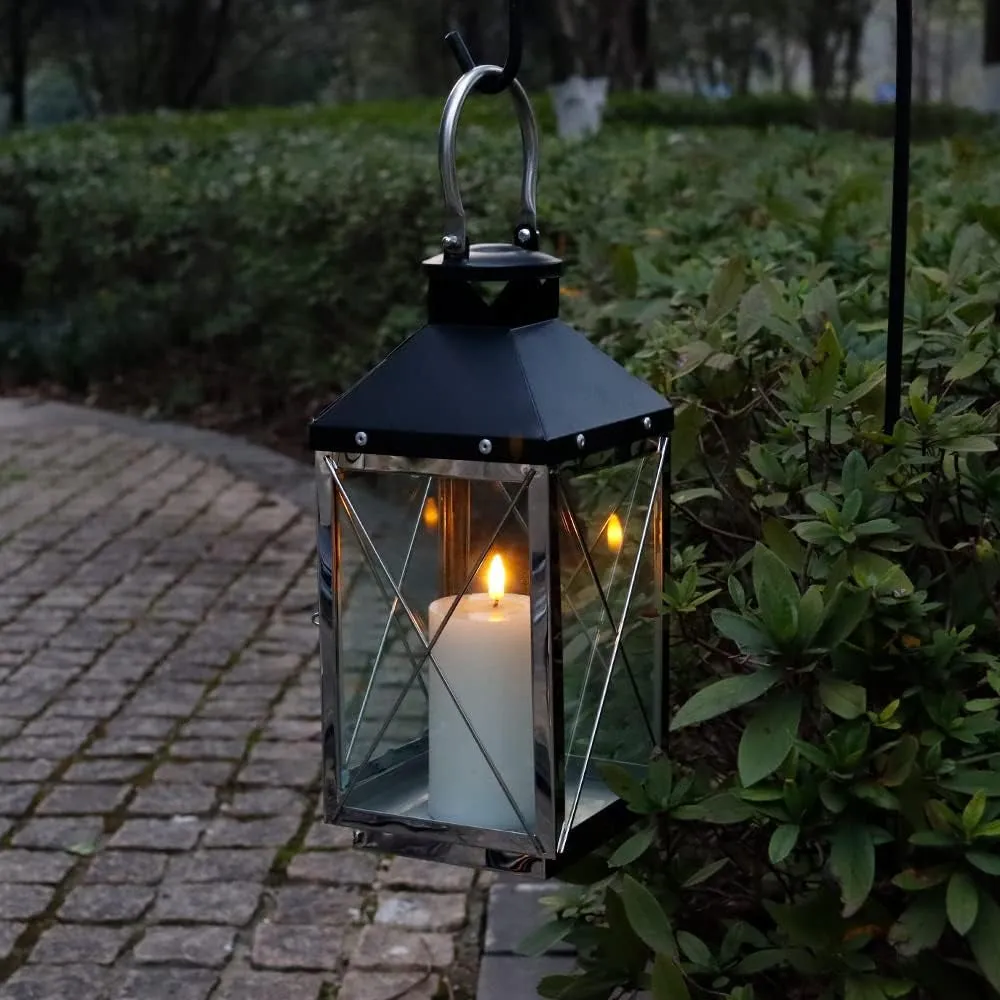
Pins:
x: 777, y: 594
x: 963, y: 902
x: 983, y: 940
x: 921, y: 925
x: 970, y: 781
x: 724, y: 696
x: 969, y: 365
x: 842, y: 698
x: 647, y: 917
x: 633, y: 848
x: 784, y: 544
x: 852, y: 864
x: 846, y: 610
x: 783, y: 842
x: 741, y: 630
x: 727, y: 289
x: 721, y: 810
x: 769, y: 737
x: 543, y: 938
x: 667, y: 981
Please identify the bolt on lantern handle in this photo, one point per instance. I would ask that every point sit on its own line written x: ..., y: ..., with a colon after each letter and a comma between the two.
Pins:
x: 456, y: 238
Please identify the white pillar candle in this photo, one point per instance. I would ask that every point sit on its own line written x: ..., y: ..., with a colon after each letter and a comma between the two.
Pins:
x: 485, y: 653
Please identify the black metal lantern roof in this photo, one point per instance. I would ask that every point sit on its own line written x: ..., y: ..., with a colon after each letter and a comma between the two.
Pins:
x: 501, y: 380
x: 504, y: 381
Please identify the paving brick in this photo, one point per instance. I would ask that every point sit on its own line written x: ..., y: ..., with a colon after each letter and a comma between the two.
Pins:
x: 141, y: 726
x: 127, y: 867
x: 43, y: 982
x: 158, y: 834
x: 34, y: 866
x: 69, y: 944
x: 208, y: 947
x: 271, y: 986
x: 277, y: 946
x: 323, y: 836
x: 266, y: 802
x: 389, y: 986
x: 514, y: 911
x: 15, y: 799
x: 410, y: 873
x: 207, y: 749
x: 90, y: 771
x: 315, y: 904
x: 209, y: 772
x: 222, y: 865
x: 393, y: 948
x: 503, y: 977
x: 22, y: 902
x: 63, y: 833
x: 80, y: 800
x: 421, y: 912
x: 207, y: 903
x: 334, y: 867
x: 107, y: 903
x: 17, y: 771
x: 9, y: 933
x: 173, y: 800
x: 281, y: 773
x: 274, y: 832
x: 124, y: 746
x: 168, y: 984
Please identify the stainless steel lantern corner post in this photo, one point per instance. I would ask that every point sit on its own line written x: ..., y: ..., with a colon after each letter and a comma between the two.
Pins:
x: 492, y: 511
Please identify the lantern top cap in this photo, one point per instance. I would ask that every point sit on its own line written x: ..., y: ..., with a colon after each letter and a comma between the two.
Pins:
x: 493, y: 262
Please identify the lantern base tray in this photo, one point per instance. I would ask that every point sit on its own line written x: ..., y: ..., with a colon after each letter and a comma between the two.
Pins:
x: 389, y: 812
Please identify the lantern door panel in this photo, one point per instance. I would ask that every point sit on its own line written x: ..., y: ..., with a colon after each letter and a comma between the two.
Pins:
x: 429, y: 716
x: 611, y: 573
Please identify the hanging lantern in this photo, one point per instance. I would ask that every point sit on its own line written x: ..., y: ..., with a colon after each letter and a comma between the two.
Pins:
x: 492, y: 521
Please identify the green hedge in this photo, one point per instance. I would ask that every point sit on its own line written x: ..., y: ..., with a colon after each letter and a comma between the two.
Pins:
x: 285, y: 244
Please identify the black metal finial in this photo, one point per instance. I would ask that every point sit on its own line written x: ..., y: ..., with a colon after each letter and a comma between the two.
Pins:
x: 512, y: 64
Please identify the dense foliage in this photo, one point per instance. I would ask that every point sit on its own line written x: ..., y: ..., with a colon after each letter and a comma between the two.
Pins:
x: 271, y: 244
x: 826, y: 823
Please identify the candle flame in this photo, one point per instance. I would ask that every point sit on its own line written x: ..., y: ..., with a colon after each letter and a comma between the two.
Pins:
x: 495, y: 579
x: 615, y: 533
x: 431, y: 515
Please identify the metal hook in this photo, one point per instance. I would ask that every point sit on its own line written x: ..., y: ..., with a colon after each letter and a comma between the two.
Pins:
x: 515, y: 48
x: 456, y: 241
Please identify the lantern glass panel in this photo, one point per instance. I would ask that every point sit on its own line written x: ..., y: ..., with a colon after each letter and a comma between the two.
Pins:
x: 438, y: 735
x: 610, y: 562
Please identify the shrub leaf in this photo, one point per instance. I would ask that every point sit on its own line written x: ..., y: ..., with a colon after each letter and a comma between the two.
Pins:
x: 962, y: 902
x: 647, y: 917
x: 852, y: 863
x: 725, y: 695
x: 768, y: 737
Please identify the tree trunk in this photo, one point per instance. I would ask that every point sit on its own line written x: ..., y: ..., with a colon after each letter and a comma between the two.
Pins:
x: 855, y: 32
x: 642, y: 44
x: 948, y: 55
x: 991, y: 55
x: 17, y: 55
x: 562, y: 45
x: 922, y: 82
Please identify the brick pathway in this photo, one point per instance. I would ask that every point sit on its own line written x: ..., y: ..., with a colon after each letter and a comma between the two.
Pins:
x: 159, y: 750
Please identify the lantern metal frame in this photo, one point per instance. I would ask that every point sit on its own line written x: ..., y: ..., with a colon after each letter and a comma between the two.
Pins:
x: 548, y: 434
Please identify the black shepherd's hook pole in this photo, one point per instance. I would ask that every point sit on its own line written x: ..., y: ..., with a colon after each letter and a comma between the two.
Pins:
x: 515, y: 47
x: 900, y: 213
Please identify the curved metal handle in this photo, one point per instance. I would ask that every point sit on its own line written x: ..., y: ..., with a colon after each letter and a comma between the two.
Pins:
x: 456, y: 238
